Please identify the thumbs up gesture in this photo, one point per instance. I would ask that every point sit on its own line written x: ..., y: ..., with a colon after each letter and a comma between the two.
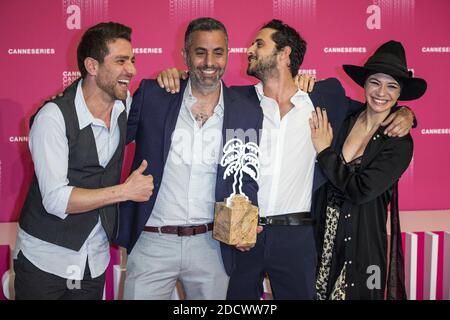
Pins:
x: 139, y: 187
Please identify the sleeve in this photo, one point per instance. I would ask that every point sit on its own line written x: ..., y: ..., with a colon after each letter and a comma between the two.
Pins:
x: 50, y: 152
x: 338, y: 90
x: 367, y: 184
x: 135, y: 112
x: 354, y: 106
x: 414, y: 125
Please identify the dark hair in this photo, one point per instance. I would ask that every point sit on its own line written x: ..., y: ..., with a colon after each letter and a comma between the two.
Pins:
x: 286, y: 36
x: 94, y: 42
x: 203, y: 24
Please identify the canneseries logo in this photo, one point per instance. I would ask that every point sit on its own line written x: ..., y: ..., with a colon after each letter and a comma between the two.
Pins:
x: 310, y: 72
x: 69, y: 76
x: 31, y: 51
x: 147, y: 50
x: 345, y: 50
x: 16, y: 139
x: 237, y: 50
x: 435, y: 131
x: 436, y: 49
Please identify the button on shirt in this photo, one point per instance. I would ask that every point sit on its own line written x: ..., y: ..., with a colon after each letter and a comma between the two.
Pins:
x: 187, y: 192
x: 287, y: 156
x: 50, y: 152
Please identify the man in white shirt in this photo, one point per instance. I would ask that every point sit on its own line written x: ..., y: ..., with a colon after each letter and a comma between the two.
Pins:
x: 77, y: 143
x: 286, y: 248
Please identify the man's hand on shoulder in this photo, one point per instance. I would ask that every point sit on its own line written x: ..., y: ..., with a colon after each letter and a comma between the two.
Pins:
x: 305, y: 82
x: 169, y: 79
x: 399, y: 123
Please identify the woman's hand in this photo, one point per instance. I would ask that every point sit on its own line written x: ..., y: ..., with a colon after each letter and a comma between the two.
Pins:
x: 321, y: 131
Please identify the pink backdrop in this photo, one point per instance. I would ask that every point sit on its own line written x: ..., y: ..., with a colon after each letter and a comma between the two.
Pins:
x: 38, y: 59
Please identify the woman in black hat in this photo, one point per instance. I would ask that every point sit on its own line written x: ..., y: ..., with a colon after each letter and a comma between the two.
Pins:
x: 363, y: 166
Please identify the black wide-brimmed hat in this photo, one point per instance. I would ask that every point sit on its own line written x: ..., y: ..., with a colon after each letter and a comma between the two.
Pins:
x: 390, y: 59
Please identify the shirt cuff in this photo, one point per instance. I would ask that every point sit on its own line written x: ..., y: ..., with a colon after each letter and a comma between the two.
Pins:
x: 324, y: 152
x: 57, y: 204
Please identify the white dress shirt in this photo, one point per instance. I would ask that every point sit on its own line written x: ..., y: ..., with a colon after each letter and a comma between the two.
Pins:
x: 287, y: 156
x: 50, y: 152
x: 187, y: 192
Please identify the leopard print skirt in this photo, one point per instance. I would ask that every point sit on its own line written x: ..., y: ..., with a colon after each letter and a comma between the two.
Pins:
x: 338, y: 292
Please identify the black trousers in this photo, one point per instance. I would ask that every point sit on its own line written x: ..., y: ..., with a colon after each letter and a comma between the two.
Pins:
x: 31, y: 283
x: 287, y: 254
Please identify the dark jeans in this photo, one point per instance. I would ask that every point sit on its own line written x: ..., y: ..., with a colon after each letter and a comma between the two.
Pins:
x: 31, y: 283
x: 287, y: 254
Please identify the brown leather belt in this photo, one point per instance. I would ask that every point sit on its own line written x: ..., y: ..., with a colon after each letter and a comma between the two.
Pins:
x: 182, y: 231
x: 290, y: 219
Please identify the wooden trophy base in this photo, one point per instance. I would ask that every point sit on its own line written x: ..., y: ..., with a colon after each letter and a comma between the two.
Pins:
x: 235, y: 221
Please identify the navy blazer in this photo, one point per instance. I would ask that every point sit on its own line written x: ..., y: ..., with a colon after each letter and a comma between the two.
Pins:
x: 328, y: 94
x: 151, y: 122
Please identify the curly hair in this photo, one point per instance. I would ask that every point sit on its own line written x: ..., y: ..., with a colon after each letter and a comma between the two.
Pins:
x: 286, y: 36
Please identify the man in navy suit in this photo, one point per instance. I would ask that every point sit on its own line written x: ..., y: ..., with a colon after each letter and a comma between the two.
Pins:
x: 286, y: 247
x: 168, y: 238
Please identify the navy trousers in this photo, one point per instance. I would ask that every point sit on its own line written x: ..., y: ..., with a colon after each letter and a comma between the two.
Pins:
x: 287, y: 254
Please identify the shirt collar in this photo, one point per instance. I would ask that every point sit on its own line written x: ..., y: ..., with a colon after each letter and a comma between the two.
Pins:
x: 191, y: 99
x: 294, y: 99
x: 260, y: 92
x: 299, y: 97
x: 85, y: 117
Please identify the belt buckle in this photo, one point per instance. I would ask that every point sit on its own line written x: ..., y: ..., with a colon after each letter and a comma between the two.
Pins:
x: 262, y: 221
x: 180, y: 230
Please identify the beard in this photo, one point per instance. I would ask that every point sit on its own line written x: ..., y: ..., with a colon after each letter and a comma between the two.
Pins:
x: 112, y: 88
x: 263, y: 68
x: 203, y: 81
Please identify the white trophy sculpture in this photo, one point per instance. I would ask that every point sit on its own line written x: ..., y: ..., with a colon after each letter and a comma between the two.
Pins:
x: 235, y: 219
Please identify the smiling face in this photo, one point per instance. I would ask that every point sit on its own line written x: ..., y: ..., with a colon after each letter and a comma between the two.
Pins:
x: 206, y: 59
x: 262, y: 55
x: 381, y: 91
x: 116, y: 70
